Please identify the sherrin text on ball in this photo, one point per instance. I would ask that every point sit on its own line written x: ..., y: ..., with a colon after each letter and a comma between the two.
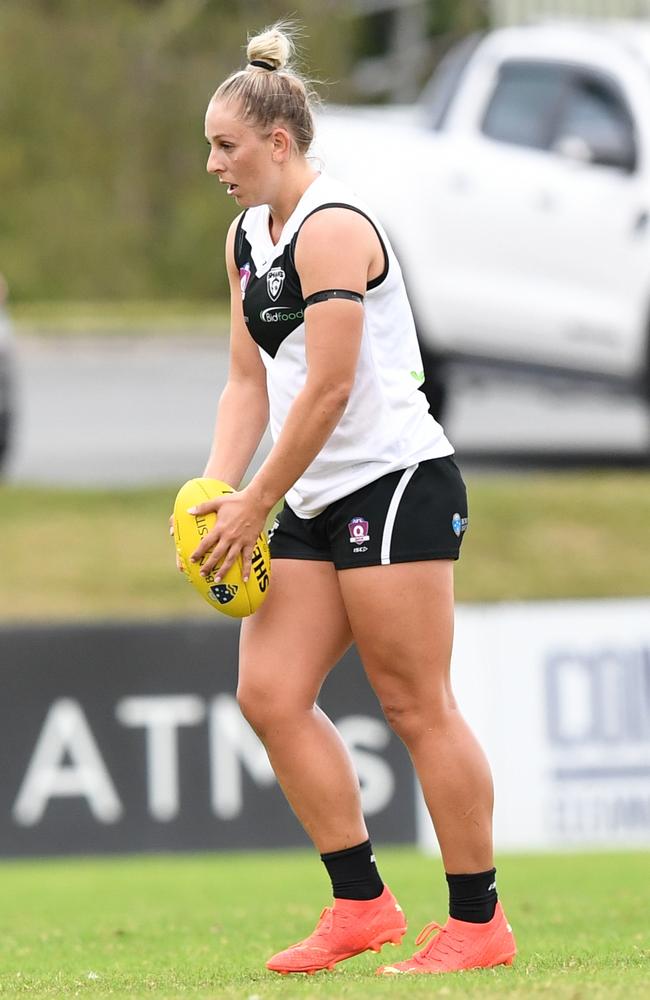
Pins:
x: 231, y: 595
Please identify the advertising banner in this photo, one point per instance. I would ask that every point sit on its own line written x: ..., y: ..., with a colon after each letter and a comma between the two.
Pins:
x: 129, y: 738
x: 558, y: 693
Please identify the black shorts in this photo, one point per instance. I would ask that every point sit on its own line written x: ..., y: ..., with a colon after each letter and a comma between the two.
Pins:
x: 406, y: 516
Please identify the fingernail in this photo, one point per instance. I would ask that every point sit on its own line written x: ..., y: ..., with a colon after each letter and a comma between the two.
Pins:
x: 217, y: 579
x: 245, y: 579
x: 191, y: 510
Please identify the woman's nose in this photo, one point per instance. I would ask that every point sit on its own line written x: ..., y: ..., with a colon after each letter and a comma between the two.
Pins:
x: 213, y: 166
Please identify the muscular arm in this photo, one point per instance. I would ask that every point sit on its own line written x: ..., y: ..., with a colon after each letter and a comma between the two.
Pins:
x: 243, y: 410
x: 334, y: 251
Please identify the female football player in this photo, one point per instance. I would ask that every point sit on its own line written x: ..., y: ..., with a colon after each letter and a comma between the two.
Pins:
x: 323, y: 344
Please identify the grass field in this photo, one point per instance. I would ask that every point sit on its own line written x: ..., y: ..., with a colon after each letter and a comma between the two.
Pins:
x: 87, y: 319
x: 203, y: 926
x: 84, y: 554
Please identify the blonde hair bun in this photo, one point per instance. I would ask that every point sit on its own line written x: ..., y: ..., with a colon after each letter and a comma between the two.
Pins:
x: 264, y: 99
x: 274, y: 46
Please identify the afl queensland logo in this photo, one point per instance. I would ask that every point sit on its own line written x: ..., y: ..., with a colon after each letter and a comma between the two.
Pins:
x: 358, y: 529
x: 274, y: 283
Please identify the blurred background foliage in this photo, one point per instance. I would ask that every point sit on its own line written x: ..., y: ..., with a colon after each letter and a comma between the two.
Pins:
x: 102, y: 158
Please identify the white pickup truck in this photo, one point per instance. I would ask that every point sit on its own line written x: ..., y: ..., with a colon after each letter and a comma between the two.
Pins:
x: 517, y: 196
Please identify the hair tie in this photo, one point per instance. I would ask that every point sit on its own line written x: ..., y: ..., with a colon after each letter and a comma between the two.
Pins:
x: 262, y: 64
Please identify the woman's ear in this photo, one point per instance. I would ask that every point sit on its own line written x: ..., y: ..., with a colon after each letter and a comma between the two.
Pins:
x: 282, y: 145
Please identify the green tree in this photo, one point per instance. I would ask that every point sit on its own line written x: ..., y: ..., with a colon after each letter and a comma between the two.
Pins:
x: 102, y: 161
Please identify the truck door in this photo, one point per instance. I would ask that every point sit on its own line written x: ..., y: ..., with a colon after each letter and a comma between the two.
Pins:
x: 491, y: 217
x: 596, y: 218
x: 555, y: 265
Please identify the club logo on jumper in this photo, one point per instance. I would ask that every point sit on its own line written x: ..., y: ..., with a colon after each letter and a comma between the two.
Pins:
x: 280, y: 314
x: 274, y: 283
x: 223, y: 593
x: 244, y: 278
x: 358, y: 529
x: 459, y: 524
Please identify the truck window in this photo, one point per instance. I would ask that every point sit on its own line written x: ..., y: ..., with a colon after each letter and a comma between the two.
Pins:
x: 596, y: 113
x: 525, y: 103
x: 437, y: 96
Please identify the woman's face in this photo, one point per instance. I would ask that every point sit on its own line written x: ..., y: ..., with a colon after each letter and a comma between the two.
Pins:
x: 239, y: 155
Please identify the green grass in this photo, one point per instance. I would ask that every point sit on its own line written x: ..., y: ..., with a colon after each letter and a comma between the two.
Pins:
x: 63, y: 319
x: 201, y: 926
x: 83, y: 554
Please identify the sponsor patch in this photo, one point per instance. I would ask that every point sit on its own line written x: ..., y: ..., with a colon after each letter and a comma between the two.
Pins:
x: 280, y: 314
x: 244, y: 278
x: 358, y: 529
x: 274, y: 282
x: 223, y: 593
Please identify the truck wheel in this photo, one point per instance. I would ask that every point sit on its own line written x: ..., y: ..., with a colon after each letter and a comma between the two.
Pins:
x: 434, y: 386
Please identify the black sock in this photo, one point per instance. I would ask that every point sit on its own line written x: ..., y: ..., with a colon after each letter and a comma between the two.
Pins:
x: 353, y: 873
x: 473, y: 897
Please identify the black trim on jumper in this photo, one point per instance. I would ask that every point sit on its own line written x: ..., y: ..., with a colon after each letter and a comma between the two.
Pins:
x: 332, y: 293
x: 238, y: 244
x: 353, y: 208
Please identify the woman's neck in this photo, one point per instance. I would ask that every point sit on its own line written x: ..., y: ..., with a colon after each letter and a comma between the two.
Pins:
x: 287, y: 197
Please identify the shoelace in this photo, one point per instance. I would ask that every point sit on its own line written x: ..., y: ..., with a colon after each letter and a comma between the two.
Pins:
x: 326, y: 923
x: 443, y: 943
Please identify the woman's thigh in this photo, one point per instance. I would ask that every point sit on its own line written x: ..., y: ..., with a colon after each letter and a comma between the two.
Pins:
x: 402, y: 620
x: 290, y: 644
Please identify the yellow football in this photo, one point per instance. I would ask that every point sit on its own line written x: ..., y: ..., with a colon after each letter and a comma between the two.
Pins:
x: 231, y: 595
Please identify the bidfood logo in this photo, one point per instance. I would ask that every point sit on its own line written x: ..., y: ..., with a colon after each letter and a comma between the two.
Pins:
x: 277, y: 314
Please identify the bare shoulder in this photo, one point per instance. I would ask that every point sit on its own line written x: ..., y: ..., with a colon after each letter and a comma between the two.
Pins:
x: 332, y: 225
x: 335, y: 249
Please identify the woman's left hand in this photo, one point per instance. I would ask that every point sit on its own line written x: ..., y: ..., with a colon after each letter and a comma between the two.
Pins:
x: 240, y: 519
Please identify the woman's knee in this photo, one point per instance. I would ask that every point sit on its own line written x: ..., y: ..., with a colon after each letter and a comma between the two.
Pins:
x: 265, y: 708
x: 410, y: 714
x: 255, y: 705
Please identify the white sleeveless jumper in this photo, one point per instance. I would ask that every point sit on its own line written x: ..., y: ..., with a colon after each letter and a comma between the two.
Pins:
x: 386, y: 424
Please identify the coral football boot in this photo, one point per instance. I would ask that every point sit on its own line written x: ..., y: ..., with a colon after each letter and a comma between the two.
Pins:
x: 460, y: 945
x: 347, y: 928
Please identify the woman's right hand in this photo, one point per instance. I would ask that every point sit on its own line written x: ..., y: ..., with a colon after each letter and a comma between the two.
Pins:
x: 179, y: 564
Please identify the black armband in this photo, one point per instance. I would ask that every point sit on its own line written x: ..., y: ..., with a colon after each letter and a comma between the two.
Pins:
x: 332, y: 293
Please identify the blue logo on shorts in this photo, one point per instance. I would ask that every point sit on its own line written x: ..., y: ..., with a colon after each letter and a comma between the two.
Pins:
x: 458, y: 524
